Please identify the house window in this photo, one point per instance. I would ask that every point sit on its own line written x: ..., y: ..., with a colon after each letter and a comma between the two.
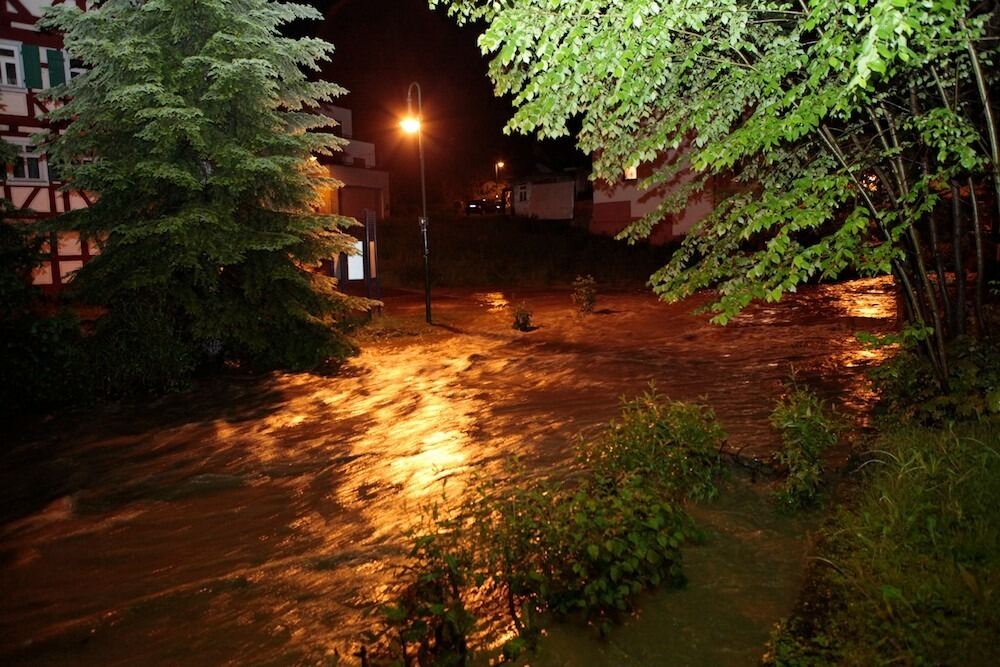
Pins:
x: 76, y: 68
x: 28, y: 165
x: 10, y: 66
x: 57, y: 67
x: 53, y: 170
x: 522, y: 193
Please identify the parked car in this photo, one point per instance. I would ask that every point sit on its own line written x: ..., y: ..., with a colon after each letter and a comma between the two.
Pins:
x: 482, y: 207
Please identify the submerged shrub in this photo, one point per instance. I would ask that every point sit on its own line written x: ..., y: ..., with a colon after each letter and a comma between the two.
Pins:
x: 581, y: 547
x: 522, y: 317
x: 671, y: 443
x: 808, y: 427
x: 585, y: 294
x: 585, y: 548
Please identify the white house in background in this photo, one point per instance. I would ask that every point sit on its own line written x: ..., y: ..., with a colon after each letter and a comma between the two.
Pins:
x: 32, y: 60
x: 546, y: 197
x: 364, y: 186
x: 618, y: 204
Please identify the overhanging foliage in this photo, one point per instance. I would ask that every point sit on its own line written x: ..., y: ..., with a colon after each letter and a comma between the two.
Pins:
x: 847, y: 128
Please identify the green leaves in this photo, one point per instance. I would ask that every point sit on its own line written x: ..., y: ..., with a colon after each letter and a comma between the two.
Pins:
x: 770, y: 108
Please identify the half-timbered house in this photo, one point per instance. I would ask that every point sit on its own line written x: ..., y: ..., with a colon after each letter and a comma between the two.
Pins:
x: 32, y: 60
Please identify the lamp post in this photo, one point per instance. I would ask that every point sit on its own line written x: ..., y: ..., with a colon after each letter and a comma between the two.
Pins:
x: 413, y: 125
x: 497, y: 168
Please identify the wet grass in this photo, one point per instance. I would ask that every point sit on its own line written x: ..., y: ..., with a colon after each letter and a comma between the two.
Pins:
x: 909, y: 572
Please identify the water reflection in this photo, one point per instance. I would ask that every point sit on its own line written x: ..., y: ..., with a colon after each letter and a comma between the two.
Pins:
x: 493, y: 301
x: 869, y: 298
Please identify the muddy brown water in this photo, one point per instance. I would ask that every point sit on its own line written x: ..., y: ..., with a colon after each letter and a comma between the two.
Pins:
x: 253, y: 521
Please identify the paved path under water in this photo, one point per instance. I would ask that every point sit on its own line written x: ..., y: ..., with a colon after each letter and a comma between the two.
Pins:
x: 251, y: 521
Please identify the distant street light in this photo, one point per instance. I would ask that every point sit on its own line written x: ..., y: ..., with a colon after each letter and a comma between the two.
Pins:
x: 414, y: 125
x: 497, y: 168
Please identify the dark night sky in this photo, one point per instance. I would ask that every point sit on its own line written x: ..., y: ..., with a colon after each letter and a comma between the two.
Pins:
x: 383, y: 45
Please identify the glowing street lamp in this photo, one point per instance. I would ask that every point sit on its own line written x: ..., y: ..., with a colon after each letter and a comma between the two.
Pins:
x: 412, y: 125
x: 497, y: 168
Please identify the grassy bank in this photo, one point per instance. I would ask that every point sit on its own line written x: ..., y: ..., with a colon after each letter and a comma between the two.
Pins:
x: 908, y: 572
x: 510, y: 252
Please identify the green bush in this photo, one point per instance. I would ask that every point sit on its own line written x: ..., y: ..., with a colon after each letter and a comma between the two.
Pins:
x: 909, y: 574
x: 43, y: 360
x: 429, y: 619
x: 808, y: 428
x: 583, y: 546
x: 584, y: 294
x: 908, y: 390
x: 673, y: 444
x: 44, y: 363
x: 586, y: 548
x: 140, y: 348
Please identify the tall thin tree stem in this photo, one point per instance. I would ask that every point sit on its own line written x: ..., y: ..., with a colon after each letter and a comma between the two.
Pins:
x: 977, y: 230
x: 956, y: 243
x: 991, y: 125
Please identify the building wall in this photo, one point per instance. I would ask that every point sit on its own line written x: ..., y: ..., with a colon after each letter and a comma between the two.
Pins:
x: 370, y: 186
x: 358, y: 154
x: 344, y: 118
x: 618, y: 204
x: 555, y: 200
x: 37, y: 61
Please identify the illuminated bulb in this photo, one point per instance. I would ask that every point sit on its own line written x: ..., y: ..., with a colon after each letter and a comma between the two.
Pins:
x: 410, y: 125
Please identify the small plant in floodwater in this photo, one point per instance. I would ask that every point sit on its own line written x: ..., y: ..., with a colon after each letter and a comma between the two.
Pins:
x: 585, y: 294
x: 808, y: 427
x: 429, y: 620
x: 522, y: 317
x: 674, y: 444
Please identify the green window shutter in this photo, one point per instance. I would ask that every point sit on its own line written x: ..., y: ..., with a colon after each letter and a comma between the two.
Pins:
x: 57, y: 67
x: 32, y: 66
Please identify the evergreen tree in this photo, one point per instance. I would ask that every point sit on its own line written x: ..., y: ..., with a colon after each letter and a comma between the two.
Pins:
x: 193, y: 127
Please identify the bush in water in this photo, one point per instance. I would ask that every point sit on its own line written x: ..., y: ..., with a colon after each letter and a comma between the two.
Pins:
x: 807, y: 427
x: 674, y: 444
x: 584, y: 294
x: 522, y: 318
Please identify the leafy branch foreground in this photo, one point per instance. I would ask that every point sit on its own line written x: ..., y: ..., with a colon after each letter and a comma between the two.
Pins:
x: 580, y: 547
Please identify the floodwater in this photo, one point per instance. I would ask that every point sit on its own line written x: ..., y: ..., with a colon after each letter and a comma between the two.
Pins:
x: 254, y: 520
